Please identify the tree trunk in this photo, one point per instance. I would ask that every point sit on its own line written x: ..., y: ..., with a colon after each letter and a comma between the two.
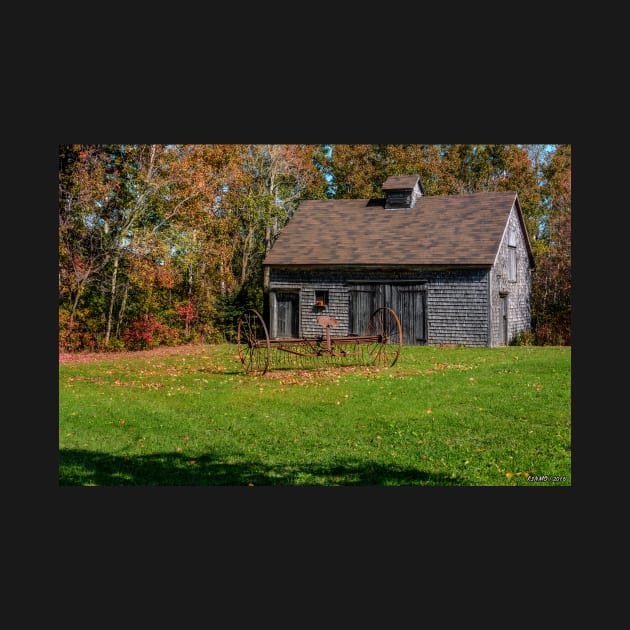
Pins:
x: 247, y: 247
x: 121, y: 311
x: 74, y: 307
x: 111, y: 301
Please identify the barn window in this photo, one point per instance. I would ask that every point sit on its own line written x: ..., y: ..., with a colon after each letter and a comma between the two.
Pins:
x: 511, y: 237
x: 511, y: 263
x: 321, y: 298
x: 511, y: 255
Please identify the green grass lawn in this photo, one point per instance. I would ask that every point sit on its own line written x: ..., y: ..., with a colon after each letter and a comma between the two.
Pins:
x: 438, y: 417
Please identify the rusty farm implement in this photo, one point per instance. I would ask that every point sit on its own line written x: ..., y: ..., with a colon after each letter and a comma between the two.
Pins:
x: 380, y: 346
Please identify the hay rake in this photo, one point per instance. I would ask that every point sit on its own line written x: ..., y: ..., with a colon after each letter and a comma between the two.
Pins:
x: 380, y: 346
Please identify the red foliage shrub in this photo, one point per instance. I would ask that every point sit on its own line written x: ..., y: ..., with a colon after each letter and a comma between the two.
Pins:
x: 148, y: 333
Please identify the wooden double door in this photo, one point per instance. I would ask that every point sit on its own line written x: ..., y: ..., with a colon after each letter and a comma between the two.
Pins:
x: 407, y: 300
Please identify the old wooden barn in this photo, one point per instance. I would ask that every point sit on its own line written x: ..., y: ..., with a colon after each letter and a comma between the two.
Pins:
x: 455, y: 268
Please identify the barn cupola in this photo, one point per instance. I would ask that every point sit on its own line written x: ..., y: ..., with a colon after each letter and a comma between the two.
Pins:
x: 402, y: 191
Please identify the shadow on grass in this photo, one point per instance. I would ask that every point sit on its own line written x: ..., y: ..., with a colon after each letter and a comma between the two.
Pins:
x: 86, y: 468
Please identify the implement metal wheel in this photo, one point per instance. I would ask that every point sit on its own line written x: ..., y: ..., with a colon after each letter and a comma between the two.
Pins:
x: 253, y: 342
x: 385, y: 324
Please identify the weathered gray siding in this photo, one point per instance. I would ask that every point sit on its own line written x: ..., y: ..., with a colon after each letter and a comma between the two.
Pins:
x: 517, y: 293
x: 457, y: 308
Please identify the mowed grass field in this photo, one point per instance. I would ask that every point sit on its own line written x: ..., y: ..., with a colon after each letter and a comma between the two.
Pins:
x: 438, y: 417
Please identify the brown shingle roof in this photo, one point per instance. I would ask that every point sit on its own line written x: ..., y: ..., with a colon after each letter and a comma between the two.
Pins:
x: 440, y: 230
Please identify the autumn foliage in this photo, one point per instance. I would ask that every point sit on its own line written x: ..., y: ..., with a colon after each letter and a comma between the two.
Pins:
x: 163, y: 244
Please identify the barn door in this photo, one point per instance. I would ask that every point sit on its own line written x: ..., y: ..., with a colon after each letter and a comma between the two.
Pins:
x: 408, y: 301
x: 504, y: 318
x: 287, y: 315
x: 364, y: 300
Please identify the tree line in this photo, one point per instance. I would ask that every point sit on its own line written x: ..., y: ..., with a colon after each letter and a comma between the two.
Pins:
x: 163, y: 244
